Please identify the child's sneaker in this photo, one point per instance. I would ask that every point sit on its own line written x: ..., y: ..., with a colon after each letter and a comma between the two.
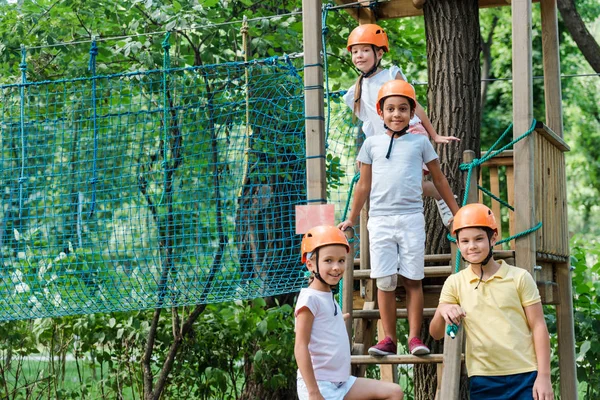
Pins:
x: 416, y: 347
x: 444, y: 211
x: 386, y: 347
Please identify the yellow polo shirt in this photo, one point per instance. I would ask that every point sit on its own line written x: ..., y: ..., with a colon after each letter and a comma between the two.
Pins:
x: 499, y: 340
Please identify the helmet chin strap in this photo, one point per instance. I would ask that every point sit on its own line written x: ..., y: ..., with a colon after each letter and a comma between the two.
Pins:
x: 483, y: 263
x: 375, y: 64
x: 401, y: 132
x: 320, y: 278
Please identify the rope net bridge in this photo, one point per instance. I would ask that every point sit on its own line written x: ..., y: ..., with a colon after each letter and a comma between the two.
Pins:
x: 156, y: 188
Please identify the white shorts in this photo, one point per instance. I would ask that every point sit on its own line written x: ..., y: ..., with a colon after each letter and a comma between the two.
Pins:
x: 329, y: 390
x: 397, y: 245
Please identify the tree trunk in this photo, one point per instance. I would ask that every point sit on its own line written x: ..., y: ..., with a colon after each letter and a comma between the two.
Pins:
x: 454, y: 107
x: 580, y: 34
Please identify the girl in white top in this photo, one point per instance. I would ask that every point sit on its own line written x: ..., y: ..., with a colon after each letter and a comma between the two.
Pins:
x: 367, y: 43
x: 322, y: 346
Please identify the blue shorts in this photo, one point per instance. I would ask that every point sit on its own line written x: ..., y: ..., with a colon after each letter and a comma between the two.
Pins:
x: 507, y: 387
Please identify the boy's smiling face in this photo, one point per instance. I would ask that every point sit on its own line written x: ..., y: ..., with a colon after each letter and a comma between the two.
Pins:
x: 397, y: 112
x: 474, y: 244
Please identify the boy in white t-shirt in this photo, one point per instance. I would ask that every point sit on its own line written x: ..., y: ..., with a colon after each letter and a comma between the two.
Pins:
x: 390, y: 175
x: 322, y: 346
x: 367, y: 43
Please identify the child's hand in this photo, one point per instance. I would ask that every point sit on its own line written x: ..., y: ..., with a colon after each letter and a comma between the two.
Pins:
x: 445, y: 139
x: 452, y: 313
x: 345, y: 225
x: 346, y: 316
x: 542, y: 388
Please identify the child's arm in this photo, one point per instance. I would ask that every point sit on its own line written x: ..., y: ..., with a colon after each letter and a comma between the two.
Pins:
x: 441, y: 184
x: 420, y: 111
x: 542, y: 388
x: 361, y: 193
x: 304, y: 322
x: 445, y: 314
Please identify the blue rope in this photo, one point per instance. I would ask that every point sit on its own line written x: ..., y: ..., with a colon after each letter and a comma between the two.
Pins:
x: 498, y: 199
x: 166, y: 65
x: 22, y: 178
x: 92, y: 68
x: 324, y: 31
x: 477, y: 162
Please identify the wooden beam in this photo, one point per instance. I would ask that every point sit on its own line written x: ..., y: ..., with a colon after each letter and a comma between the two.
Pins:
x: 400, y: 313
x: 525, y: 246
x: 566, y: 333
x: 399, y: 359
x: 552, y: 137
x: 453, y: 348
x: 348, y: 288
x: 314, y: 104
x: 406, y: 8
x: 551, y: 60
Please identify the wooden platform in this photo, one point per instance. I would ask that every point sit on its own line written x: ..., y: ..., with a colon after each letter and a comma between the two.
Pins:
x: 402, y: 8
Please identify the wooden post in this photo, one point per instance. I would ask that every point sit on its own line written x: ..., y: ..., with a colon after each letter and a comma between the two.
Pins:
x: 348, y: 285
x: 453, y: 347
x: 313, y: 102
x: 553, y: 97
x: 522, y: 117
x: 551, y: 57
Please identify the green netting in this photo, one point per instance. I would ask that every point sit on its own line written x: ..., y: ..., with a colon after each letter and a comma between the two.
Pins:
x: 157, y: 188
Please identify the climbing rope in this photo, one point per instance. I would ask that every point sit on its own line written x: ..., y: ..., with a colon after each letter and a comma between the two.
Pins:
x: 477, y: 162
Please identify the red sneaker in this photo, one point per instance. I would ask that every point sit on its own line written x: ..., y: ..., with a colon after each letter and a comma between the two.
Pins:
x: 417, y: 348
x: 386, y: 347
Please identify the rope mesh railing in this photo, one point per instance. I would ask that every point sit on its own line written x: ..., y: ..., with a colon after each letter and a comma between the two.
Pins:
x: 158, y: 188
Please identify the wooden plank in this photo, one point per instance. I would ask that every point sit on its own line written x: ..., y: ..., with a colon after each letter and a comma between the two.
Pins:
x: 399, y: 359
x: 502, y: 159
x: 551, y: 62
x: 314, y: 103
x: 400, y: 313
x: 552, y: 137
x: 510, y: 194
x: 429, y: 272
x: 495, y: 189
x: 453, y: 348
x: 566, y: 333
x: 525, y: 246
x: 406, y: 8
x: 444, y: 258
x: 348, y: 288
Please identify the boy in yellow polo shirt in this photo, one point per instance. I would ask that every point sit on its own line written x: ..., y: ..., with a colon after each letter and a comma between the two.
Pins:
x: 508, y: 346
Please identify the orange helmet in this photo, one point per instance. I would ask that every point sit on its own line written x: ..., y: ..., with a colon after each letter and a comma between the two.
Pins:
x: 474, y: 215
x: 320, y: 236
x: 368, y: 34
x: 396, y: 87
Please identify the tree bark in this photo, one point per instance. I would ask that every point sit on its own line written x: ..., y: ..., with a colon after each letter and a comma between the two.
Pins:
x: 454, y: 107
x: 580, y: 34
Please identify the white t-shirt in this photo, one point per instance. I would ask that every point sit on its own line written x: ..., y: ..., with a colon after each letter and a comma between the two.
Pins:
x: 372, y: 122
x: 329, y: 346
x: 396, y: 186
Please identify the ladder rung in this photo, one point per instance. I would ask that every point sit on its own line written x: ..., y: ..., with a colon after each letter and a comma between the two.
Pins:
x: 400, y: 313
x: 429, y: 272
x: 399, y: 359
x: 440, y: 258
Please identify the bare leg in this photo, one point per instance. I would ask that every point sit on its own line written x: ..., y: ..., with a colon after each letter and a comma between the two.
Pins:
x: 414, y: 306
x: 387, y: 308
x: 365, y: 388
